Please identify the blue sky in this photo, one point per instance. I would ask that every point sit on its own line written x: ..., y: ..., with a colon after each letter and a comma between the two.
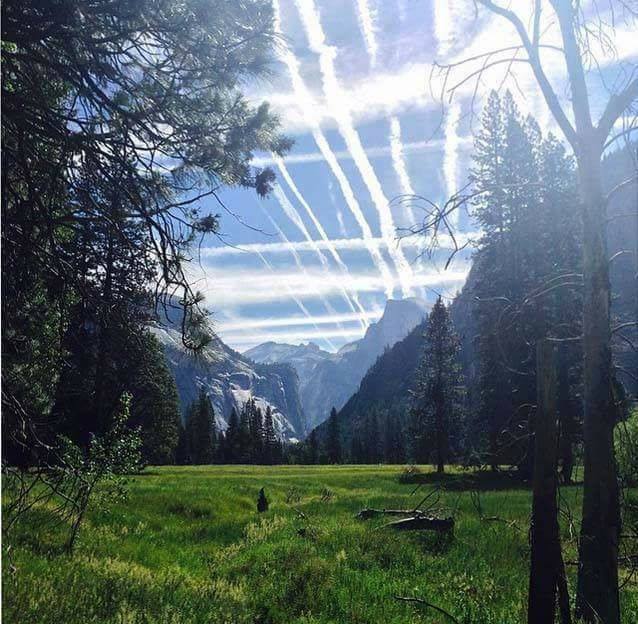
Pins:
x: 352, y: 85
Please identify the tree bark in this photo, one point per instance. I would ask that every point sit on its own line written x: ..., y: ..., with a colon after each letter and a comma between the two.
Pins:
x: 545, y: 536
x: 597, y: 597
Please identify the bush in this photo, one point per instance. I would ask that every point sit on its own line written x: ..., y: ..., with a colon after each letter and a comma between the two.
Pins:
x: 626, y: 442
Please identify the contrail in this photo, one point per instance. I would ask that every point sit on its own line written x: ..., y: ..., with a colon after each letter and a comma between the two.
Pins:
x: 303, y: 94
x: 350, y: 296
x: 398, y: 162
x: 366, y: 24
x: 451, y: 155
x: 290, y: 210
x: 347, y: 244
x: 295, y: 217
x: 295, y: 321
x: 443, y: 33
x: 316, y: 38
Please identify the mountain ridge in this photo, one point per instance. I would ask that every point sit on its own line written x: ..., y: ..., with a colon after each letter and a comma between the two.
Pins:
x: 330, y: 379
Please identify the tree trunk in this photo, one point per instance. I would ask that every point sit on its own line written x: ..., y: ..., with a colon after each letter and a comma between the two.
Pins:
x: 597, y: 599
x: 545, y: 536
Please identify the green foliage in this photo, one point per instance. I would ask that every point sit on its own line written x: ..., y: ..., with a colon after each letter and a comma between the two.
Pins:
x: 96, y: 228
x: 437, y: 398
x: 626, y: 443
x: 189, y: 546
x: 526, y: 284
x: 200, y: 430
x: 333, y: 438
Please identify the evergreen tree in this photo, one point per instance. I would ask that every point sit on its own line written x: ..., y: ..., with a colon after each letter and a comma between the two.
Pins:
x: 437, y: 397
x: 231, y: 439
x: 525, y: 187
x: 333, y: 441
x: 271, y: 443
x: 200, y: 430
x: 154, y: 404
x: 244, y: 440
x: 312, y: 445
x: 373, y: 439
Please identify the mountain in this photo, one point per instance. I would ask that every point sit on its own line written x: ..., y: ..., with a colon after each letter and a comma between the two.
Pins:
x: 384, y: 389
x: 230, y: 380
x: 329, y: 379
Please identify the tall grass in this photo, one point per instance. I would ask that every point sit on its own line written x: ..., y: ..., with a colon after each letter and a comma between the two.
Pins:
x: 189, y: 546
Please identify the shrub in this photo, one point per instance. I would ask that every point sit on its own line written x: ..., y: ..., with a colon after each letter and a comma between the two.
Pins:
x: 626, y: 442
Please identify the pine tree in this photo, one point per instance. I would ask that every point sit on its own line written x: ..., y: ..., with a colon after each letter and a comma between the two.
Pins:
x: 437, y: 397
x: 270, y: 439
x: 231, y: 441
x: 312, y: 446
x: 244, y: 440
x: 200, y: 430
x: 333, y: 442
x: 256, y: 428
x: 373, y: 438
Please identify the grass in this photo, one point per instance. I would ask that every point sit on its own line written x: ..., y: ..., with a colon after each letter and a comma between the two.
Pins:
x: 189, y: 546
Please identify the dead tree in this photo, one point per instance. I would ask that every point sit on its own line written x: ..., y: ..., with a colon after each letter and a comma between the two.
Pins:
x: 546, y: 567
x: 580, y: 36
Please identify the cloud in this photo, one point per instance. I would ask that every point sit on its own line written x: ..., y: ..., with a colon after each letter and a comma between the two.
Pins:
x: 295, y: 321
x: 341, y: 244
x: 243, y: 342
x: 397, y: 150
x: 366, y: 24
x: 376, y: 151
x: 246, y: 287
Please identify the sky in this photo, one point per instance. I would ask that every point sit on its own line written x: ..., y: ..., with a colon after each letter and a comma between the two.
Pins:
x: 353, y: 86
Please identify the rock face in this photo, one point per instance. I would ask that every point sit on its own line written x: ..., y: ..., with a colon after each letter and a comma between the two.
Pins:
x: 231, y: 379
x: 329, y: 379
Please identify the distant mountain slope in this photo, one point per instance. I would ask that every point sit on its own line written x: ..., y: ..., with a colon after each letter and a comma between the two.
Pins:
x: 230, y: 379
x: 385, y: 388
x: 328, y: 379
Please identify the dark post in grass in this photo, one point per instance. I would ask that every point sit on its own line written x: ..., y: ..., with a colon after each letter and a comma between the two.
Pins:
x: 547, y: 570
x: 262, y: 501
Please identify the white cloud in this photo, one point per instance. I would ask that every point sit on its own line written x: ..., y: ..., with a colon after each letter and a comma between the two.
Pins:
x: 341, y: 244
x: 246, y: 341
x: 375, y: 151
x: 253, y: 287
x: 295, y: 321
x: 351, y: 298
x: 366, y: 24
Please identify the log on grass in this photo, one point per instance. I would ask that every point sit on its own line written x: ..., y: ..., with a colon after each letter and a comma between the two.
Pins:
x: 422, y: 523
x: 367, y: 513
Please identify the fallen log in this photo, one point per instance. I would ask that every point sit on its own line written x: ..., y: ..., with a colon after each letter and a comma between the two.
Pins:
x: 366, y: 514
x: 422, y: 523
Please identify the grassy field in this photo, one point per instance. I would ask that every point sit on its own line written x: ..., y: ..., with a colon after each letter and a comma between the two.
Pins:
x: 189, y: 546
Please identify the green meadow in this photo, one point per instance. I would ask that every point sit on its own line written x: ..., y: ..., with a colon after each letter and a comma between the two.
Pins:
x: 189, y: 546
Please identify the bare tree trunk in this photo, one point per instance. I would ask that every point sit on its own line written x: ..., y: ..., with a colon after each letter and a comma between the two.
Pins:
x: 545, y: 536
x: 597, y: 599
